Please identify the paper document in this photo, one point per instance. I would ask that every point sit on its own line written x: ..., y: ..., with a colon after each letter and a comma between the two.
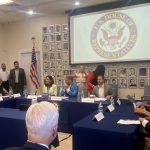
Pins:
x: 128, y: 121
x: 1, y: 98
x: 17, y: 95
x: 100, y: 99
x: 88, y: 100
x: 58, y: 98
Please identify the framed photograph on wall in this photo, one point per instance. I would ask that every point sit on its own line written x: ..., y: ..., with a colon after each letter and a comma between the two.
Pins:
x: 51, y: 38
x: 51, y: 46
x: 45, y: 57
x: 132, y: 72
x: 65, y: 55
x: 59, y: 73
x: 142, y: 72
x: 106, y: 73
x: 51, y: 56
x: 46, y: 66
x: 57, y: 28
x: 45, y: 47
x: 122, y: 83
x: 52, y: 72
x: 58, y: 55
x: 122, y: 72
x: 113, y: 72
x: 57, y: 37
x: 142, y: 82
x: 58, y: 45
x: 45, y: 30
x: 64, y: 27
x: 65, y: 46
x: 132, y: 82
x: 64, y: 37
x: 52, y: 64
x: 59, y: 82
x: 59, y: 64
x: 51, y: 29
x: 45, y: 39
x: 114, y: 81
x: 106, y: 81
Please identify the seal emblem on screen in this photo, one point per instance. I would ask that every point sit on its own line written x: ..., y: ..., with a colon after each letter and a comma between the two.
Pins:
x: 113, y: 35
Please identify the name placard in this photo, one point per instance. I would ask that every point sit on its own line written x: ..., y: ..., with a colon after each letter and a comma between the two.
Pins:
x: 99, y: 116
x: 111, y: 108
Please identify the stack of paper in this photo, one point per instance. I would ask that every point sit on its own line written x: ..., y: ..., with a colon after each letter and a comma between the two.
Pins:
x: 128, y: 121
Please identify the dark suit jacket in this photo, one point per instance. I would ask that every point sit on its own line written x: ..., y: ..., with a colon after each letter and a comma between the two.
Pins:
x: 107, y: 90
x: 147, y: 128
x: 21, y: 77
x: 28, y: 146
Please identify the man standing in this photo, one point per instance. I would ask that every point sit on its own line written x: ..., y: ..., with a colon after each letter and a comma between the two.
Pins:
x: 4, y: 75
x: 17, y: 79
x: 102, y: 90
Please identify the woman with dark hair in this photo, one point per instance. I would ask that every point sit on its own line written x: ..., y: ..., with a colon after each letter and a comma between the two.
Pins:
x: 49, y: 86
x: 91, y: 79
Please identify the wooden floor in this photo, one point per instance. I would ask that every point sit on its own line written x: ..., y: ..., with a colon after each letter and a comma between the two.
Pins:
x: 65, y: 144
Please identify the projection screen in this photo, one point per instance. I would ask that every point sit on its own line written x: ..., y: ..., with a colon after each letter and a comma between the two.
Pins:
x: 115, y: 35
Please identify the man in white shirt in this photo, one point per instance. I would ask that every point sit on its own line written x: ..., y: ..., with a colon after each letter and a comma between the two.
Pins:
x: 4, y: 75
x: 102, y: 90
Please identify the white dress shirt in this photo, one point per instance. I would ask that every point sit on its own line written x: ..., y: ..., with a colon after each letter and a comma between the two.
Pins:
x: 101, y: 91
x: 4, y: 75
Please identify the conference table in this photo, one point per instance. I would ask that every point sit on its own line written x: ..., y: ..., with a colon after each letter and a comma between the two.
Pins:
x: 13, y: 128
x: 12, y: 119
x: 107, y: 134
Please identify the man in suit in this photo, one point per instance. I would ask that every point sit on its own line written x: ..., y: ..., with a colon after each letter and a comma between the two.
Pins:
x: 17, y: 79
x: 41, y: 122
x: 70, y: 88
x: 102, y: 90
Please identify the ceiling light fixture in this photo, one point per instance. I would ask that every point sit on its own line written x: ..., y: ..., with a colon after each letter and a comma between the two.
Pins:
x: 3, y: 2
x: 30, y: 12
x: 77, y: 3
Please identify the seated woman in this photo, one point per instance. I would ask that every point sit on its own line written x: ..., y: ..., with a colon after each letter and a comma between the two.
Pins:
x: 49, y: 86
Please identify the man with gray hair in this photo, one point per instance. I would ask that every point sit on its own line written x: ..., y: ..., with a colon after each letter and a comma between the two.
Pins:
x: 41, y: 122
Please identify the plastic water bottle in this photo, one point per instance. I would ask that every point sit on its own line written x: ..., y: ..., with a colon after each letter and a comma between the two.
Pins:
x: 100, y: 107
x: 10, y: 93
x: 112, y: 101
x: 49, y: 96
x: 82, y: 94
x: 79, y: 96
x: 25, y: 93
x: 60, y: 89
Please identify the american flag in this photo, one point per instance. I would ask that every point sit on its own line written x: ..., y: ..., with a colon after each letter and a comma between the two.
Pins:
x: 33, y: 70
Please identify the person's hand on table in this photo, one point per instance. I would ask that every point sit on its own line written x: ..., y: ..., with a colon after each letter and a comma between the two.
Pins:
x: 141, y: 119
x: 108, y: 97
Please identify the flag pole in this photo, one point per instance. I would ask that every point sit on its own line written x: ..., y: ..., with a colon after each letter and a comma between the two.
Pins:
x: 33, y: 40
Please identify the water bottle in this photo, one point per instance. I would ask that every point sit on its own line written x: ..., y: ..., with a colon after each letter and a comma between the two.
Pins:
x: 82, y: 94
x: 100, y: 107
x: 60, y: 89
x: 112, y: 101
x: 49, y: 96
x: 10, y: 94
x: 79, y: 96
x: 25, y: 93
